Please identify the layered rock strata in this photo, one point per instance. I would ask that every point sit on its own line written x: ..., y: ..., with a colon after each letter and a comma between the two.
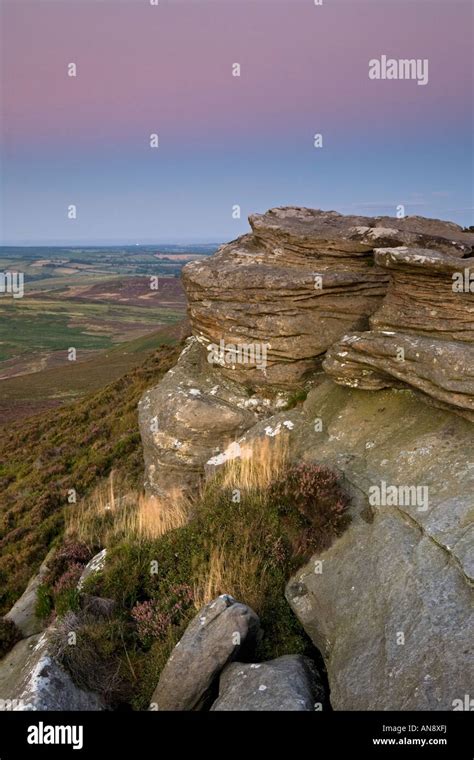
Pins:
x: 421, y: 335
x: 297, y: 284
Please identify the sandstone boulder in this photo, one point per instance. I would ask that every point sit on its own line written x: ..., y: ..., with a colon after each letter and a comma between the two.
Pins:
x: 23, y: 612
x: 289, y: 683
x: 191, y: 416
x: 390, y: 603
x: 220, y: 632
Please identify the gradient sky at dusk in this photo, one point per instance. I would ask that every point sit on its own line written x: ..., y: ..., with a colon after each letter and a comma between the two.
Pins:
x: 226, y: 140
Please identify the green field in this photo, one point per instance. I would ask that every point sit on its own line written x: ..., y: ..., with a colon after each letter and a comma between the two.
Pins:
x: 98, y: 301
x: 37, y: 325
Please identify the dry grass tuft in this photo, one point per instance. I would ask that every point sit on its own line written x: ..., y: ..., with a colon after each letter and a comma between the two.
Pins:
x: 113, y: 512
x: 241, y: 570
x: 156, y: 516
x: 260, y: 465
x: 241, y: 573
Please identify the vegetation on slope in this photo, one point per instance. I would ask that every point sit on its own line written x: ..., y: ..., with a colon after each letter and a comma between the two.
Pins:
x: 46, y: 459
x: 250, y: 528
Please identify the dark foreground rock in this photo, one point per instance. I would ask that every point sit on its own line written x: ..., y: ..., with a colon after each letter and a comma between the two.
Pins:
x: 289, y: 683
x: 220, y: 632
x: 31, y: 679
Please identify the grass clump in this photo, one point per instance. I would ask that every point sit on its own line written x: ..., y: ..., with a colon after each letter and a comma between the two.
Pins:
x: 89, y: 648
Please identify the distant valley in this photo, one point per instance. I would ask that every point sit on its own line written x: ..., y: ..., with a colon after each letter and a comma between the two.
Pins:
x: 111, y: 305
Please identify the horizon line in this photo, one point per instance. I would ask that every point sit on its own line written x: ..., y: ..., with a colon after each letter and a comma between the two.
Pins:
x: 107, y: 244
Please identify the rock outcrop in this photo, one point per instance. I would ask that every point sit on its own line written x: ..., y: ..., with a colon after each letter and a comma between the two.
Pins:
x: 389, y: 604
x: 289, y: 683
x: 266, y: 309
x: 220, y: 632
x: 298, y: 283
x: 422, y: 334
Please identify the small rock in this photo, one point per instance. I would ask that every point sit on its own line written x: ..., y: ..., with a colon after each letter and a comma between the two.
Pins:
x: 289, y: 683
x: 220, y: 632
x: 95, y: 565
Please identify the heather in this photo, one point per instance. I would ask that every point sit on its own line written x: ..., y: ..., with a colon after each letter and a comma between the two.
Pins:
x: 50, y: 463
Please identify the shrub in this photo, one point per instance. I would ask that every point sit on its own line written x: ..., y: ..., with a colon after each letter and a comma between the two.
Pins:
x: 92, y: 655
x: 69, y: 579
x: 155, y: 617
x: 71, y: 558
x: 314, y: 491
x: 9, y: 635
x: 65, y: 593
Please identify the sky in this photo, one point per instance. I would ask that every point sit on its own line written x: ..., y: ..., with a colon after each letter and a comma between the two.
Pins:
x: 227, y: 141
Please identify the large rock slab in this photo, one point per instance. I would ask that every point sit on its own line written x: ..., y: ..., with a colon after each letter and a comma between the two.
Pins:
x: 297, y: 284
x: 422, y: 335
x: 392, y: 616
x: 289, y: 683
x: 31, y: 679
x: 390, y: 603
x: 221, y: 631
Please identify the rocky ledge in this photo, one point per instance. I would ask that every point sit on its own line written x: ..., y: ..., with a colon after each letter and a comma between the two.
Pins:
x: 298, y: 283
x: 421, y: 335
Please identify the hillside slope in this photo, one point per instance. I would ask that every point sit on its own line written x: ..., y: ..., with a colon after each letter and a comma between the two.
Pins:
x: 43, y: 458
